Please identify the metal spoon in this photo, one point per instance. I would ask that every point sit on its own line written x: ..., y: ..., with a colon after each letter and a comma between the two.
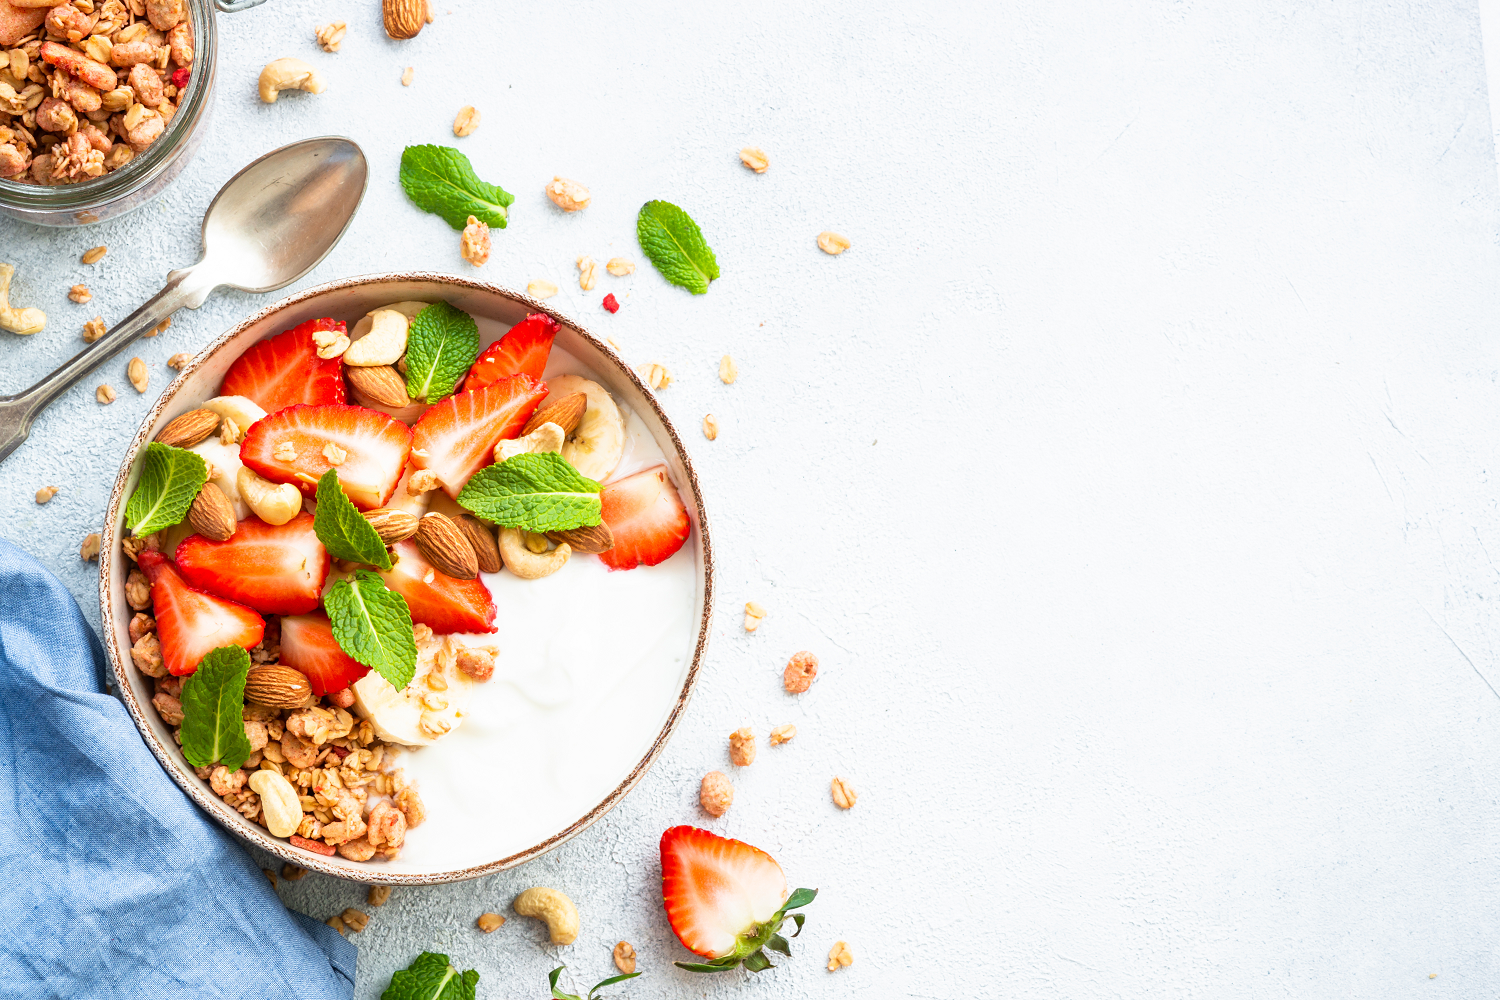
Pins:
x: 271, y: 224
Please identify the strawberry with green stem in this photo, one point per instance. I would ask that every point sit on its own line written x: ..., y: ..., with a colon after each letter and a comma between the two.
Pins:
x: 558, y: 994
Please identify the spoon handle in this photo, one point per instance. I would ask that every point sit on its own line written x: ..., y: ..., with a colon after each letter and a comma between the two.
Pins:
x: 19, y: 410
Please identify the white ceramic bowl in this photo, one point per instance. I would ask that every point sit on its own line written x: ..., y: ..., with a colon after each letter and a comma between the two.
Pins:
x: 617, y: 769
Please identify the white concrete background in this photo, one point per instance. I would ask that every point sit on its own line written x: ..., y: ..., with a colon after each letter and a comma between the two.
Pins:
x: 1130, y: 475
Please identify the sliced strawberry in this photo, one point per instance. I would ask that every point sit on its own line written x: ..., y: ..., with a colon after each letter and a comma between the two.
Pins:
x: 647, y: 518
x: 307, y: 643
x: 724, y: 899
x: 285, y: 370
x: 189, y: 623
x: 375, y: 447
x: 443, y: 604
x: 457, y: 437
x: 277, y: 570
x: 522, y: 351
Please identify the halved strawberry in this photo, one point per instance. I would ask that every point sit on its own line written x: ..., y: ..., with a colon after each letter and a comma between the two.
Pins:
x: 725, y: 899
x: 522, y: 351
x: 374, y: 449
x: 457, y: 437
x: 307, y: 643
x: 647, y: 518
x: 444, y: 604
x: 285, y: 370
x: 277, y: 570
x: 189, y: 623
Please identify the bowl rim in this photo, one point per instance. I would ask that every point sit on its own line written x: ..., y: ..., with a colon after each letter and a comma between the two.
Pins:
x: 199, y: 791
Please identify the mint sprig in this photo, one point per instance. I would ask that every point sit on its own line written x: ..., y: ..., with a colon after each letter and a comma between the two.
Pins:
x: 342, y: 529
x: 170, y: 479
x: 431, y: 977
x: 373, y: 624
x: 676, y: 246
x: 750, y: 949
x: 558, y: 994
x: 213, y: 706
x: 537, y: 492
x: 441, y: 345
x: 441, y: 180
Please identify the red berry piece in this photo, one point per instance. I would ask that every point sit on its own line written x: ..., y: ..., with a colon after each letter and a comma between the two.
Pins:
x: 181, y: 76
x: 611, y: 303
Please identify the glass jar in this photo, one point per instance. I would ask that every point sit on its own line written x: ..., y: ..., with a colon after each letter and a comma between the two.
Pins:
x: 145, y: 176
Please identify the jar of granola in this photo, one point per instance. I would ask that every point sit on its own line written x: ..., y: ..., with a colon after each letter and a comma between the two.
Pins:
x: 102, y: 103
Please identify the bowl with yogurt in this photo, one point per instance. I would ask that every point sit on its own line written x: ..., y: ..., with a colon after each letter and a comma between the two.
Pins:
x: 452, y: 550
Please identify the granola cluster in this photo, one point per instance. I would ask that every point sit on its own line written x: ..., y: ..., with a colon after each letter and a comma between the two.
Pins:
x: 92, y: 85
x: 354, y: 802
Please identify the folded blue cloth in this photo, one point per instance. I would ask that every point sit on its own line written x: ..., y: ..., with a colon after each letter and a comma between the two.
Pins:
x: 112, y: 882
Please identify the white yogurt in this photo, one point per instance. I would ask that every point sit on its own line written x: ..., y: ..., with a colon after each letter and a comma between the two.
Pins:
x: 589, y: 669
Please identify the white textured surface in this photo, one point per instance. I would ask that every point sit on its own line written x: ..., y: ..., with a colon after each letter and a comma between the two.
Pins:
x: 1130, y: 475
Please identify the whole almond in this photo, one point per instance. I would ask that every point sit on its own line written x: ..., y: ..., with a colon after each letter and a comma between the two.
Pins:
x: 446, y: 547
x: 565, y: 413
x: 594, y: 539
x: 482, y: 540
x: 277, y: 686
x: 392, y: 524
x: 404, y: 18
x: 382, y: 384
x: 212, y: 514
x: 188, y: 429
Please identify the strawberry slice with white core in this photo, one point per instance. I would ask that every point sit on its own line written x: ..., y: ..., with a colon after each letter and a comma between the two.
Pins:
x: 457, y: 437
x: 300, y: 443
x: 724, y: 899
x: 435, y: 599
x: 285, y: 370
x: 307, y: 644
x: 646, y: 517
x: 189, y: 623
x: 522, y: 351
x: 275, y: 569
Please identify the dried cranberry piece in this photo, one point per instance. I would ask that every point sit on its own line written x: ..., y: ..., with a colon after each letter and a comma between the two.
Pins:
x: 180, y: 77
x: 339, y: 752
x: 610, y: 303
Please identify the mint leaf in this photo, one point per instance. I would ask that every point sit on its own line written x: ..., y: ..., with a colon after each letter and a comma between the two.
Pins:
x: 430, y: 977
x: 213, y: 706
x: 538, y: 492
x: 373, y: 624
x: 440, y: 180
x: 558, y: 994
x: 441, y: 345
x: 342, y: 529
x: 170, y: 479
x: 676, y: 246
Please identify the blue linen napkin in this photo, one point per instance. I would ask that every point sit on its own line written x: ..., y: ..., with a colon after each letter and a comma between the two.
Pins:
x: 112, y: 882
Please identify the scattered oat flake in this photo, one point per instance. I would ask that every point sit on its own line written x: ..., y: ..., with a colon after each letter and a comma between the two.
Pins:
x: 356, y: 920
x: 140, y: 379
x: 783, y: 734
x: 656, y: 374
x: 159, y: 328
x: 755, y: 158
x: 611, y: 303
x: 89, y: 550
x: 588, y: 272
x: 540, y: 288
x: 105, y: 394
x: 286, y: 451
x: 619, y: 267
x: 839, y: 956
x: 711, y: 427
x: 80, y: 294
x: 292, y: 873
x: 179, y: 360
x: 94, y: 329
x: 625, y: 957
x: 728, y: 370
x: 466, y: 121
x: 832, y: 243
x: 612, y: 342
x: 378, y: 895
x: 334, y: 454
x: 843, y: 797
x: 489, y: 922
x: 95, y: 255
x: 406, y: 76
x: 46, y: 493
x: 754, y: 615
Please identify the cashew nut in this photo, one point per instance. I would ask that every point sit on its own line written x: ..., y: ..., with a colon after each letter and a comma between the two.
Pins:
x: 22, y: 321
x: 288, y: 74
x: 551, y: 908
x: 526, y: 564
x: 279, y: 802
x: 547, y: 437
x: 383, y: 345
x: 408, y: 308
x: 273, y: 503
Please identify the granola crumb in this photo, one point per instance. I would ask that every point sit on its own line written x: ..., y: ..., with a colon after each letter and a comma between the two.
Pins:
x: 46, y: 493
x: 742, y: 747
x: 179, y: 360
x: 625, y: 957
x: 356, y: 920
x: 335, y: 454
x: 656, y: 374
x: 728, y: 370
x: 406, y: 76
x: 489, y: 922
x: 140, y: 379
x: 105, y: 394
x: 94, y: 329
x: 832, y: 243
x: 801, y: 671
x: 755, y: 158
x: 570, y: 196
x: 843, y: 796
x: 540, y: 288
x: 715, y: 793
x: 337, y: 923
x: 588, y: 272
x: 80, y: 294
x: 422, y: 481
x: 285, y: 451
x: 270, y: 876
x: 95, y: 255
x: 754, y: 615
x: 620, y: 267
x: 137, y: 591
x: 466, y: 121
x: 378, y: 895
x: 292, y: 873
x: 89, y: 550
x: 474, y: 245
x: 839, y: 956
x: 783, y: 734
x: 711, y: 427
x: 331, y: 36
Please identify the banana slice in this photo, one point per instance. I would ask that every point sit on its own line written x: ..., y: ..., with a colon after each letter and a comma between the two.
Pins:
x: 225, y: 460
x: 597, y: 443
x: 237, y: 410
x: 431, y: 706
